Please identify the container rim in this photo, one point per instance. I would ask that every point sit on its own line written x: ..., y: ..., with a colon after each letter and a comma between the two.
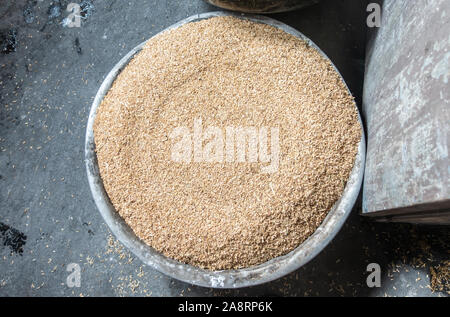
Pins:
x: 254, y: 275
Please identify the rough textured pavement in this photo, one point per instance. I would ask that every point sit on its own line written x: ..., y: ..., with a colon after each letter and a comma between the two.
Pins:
x: 49, y: 75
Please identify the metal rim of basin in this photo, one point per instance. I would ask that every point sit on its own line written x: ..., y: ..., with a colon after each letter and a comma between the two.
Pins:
x: 269, y: 8
x: 250, y: 276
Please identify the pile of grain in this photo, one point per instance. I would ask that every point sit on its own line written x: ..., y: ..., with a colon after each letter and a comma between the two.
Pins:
x: 228, y: 72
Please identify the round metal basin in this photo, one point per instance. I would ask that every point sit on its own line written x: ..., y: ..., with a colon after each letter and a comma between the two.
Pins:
x: 261, y: 6
x: 254, y: 275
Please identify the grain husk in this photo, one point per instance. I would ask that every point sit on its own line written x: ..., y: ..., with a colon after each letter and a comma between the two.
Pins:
x: 228, y: 72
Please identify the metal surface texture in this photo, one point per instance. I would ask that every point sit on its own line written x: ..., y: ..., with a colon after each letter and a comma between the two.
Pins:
x: 407, y: 113
x: 254, y: 275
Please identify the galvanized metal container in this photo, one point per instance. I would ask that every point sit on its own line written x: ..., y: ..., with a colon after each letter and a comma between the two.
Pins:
x: 262, y: 6
x: 254, y: 275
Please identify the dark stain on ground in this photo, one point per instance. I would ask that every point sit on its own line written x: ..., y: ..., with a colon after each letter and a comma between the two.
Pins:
x: 91, y: 233
x: 12, y: 238
x: 87, y: 8
x: 54, y: 10
x: 8, y: 40
x: 77, y: 46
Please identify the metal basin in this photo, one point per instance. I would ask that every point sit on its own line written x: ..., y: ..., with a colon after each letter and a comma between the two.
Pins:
x: 254, y: 275
x: 261, y: 6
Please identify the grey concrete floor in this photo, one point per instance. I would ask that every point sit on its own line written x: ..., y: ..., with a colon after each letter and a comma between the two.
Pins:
x: 49, y: 75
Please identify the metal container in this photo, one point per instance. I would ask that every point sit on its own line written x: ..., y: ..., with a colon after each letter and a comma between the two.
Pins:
x: 261, y: 6
x: 254, y: 275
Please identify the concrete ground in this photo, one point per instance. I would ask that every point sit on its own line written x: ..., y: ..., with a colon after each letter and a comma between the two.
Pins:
x: 49, y: 74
